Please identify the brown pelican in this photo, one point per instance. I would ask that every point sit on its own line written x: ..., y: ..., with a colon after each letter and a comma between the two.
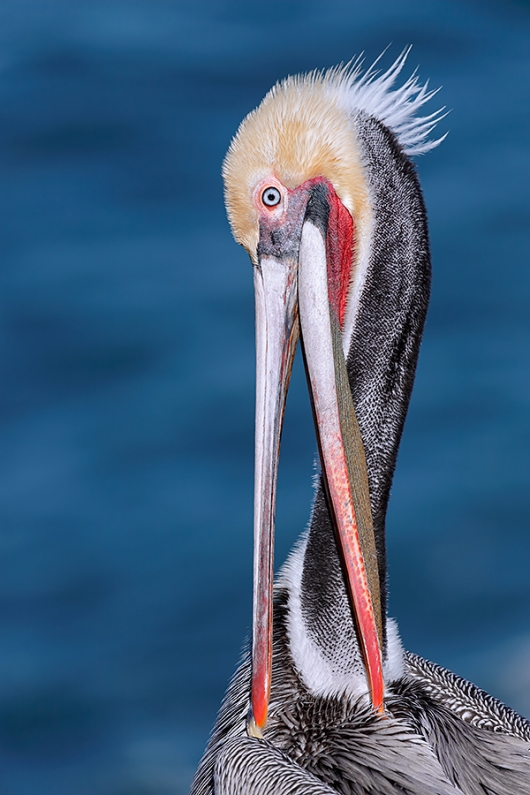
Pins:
x: 321, y: 192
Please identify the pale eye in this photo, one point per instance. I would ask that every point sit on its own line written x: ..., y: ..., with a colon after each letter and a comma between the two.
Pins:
x: 271, y: 197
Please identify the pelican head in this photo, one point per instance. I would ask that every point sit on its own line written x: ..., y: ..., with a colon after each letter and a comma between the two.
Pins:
x: 302, y: 199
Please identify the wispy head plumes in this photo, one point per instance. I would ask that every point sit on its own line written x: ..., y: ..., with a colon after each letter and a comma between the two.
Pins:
x: 372, y: 93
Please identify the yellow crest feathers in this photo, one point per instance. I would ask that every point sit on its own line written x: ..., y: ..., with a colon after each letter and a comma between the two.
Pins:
x: 299, y: 131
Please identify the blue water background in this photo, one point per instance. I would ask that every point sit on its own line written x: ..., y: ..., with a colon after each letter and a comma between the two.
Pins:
x: 126, y: 390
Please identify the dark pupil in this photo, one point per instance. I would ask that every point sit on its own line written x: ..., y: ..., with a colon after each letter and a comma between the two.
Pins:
x: 271, y: 197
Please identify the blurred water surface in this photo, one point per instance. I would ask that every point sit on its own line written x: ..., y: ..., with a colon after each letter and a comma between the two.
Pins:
x: 126, y: 346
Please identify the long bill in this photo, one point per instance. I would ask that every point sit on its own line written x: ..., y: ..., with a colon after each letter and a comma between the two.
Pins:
x: 291, y: 297
x: 277, y: 331
x: 341, y: 451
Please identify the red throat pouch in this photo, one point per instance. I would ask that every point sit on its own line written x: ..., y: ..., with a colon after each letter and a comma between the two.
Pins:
x: 340, y: 240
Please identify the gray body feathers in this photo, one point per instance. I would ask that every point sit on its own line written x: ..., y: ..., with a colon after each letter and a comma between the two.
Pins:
x: 442, y: 736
